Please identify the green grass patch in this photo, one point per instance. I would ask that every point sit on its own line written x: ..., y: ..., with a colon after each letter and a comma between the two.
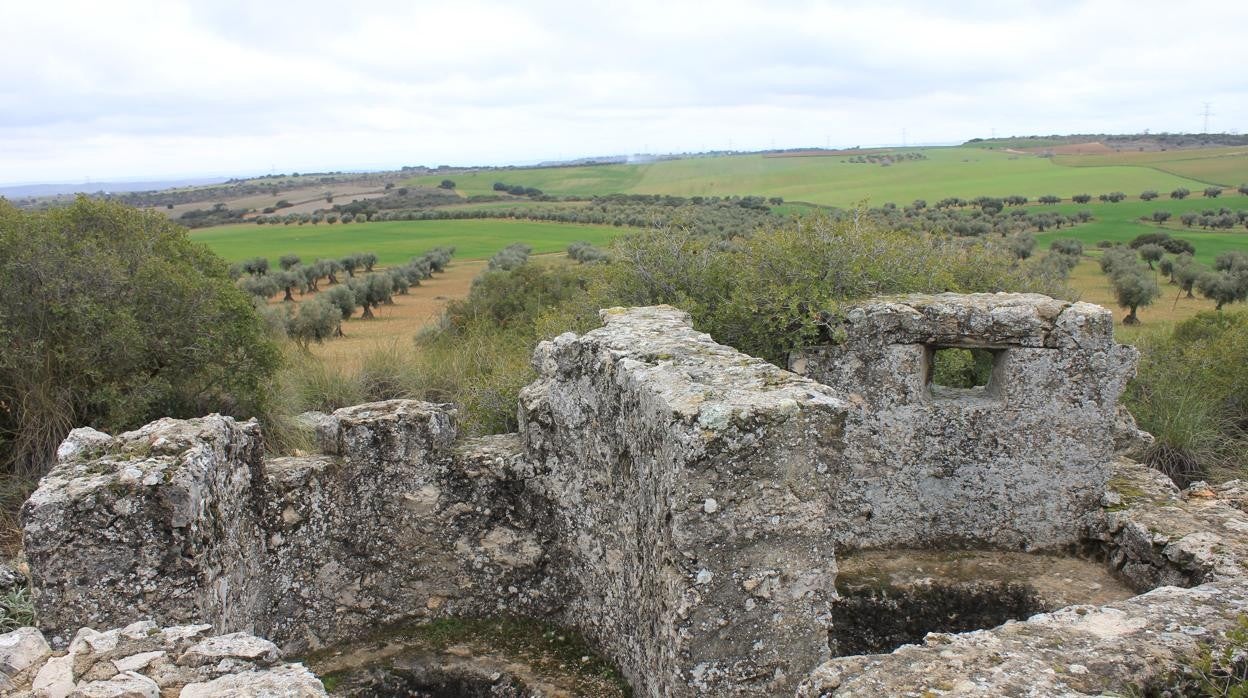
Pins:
x: 965, y: 172
x: 1121, y: 222
x: 395, y: 241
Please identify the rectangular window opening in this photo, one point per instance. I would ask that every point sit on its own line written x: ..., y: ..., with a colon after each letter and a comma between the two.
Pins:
x: 961, y: 371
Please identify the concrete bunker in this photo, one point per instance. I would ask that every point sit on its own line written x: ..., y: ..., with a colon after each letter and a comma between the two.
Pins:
x: 699, y: 515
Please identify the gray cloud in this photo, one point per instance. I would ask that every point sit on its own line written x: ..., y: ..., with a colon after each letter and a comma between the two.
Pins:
x: 159, y: 88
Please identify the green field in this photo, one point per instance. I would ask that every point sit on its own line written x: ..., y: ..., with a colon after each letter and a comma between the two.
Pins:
x: 1227, y: 167
x: 831, y: 180
x: 395, y: 241
x: 1120, y: 223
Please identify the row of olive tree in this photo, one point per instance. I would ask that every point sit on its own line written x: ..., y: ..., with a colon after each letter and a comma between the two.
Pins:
x: 1130, y: 271
x: 321, y: 317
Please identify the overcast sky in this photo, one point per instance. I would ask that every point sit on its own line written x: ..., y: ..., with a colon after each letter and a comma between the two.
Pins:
x: 128, y: 88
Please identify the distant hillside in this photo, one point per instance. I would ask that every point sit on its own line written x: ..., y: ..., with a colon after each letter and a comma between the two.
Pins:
x: 1134, y: 141
x: 34, y: 190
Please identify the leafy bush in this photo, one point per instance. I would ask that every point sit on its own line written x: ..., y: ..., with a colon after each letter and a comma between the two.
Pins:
x: 765, y: 294
x: 510, y: 257
x: 17, y: 609
x: 1191, y: 392
x: 112, y: 317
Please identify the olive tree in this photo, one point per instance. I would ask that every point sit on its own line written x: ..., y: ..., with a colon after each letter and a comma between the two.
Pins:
x: 318, y: 320
x: 259, y: 287
x: 290, y: 280
x: 1187, y: 273
x: 510, y: 257
x: 257, y: 266
x: 371, y: 291
x: 1134, y: 288
x: 342, y: 298
x: 1152, y: 253
x: 1223, y: 287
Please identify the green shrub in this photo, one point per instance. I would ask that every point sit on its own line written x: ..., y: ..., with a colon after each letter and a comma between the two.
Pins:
x: 17, y: 609
x: 765, y: 294
x: 1191, y: 393
x: 111, y: 317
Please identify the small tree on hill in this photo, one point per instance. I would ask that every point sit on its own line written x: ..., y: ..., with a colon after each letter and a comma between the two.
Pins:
x: 1022, y: 245
x: 318, y: 320
x: 260, y: 287
x: 1223, y: 287
x: 1231, y: 260
x: 447, y: 184
x: 1152, y: 253
x: 1180, y: 193
x: 510, y: 257
x: 290, y: 280
x: 1213, y: 192
x: 342, y: 298
x: 1166, y: 266
x: 1161, y: 216
x: 1187, y: 273
x: 256, y: 266
x: 1148, y: 195
x: 1134, y: 288
x: 288, y: 260
x: 371, y: 291
x: 1067, y: 246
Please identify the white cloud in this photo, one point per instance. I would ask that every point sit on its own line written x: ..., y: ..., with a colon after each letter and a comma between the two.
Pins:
x: 135, y: 88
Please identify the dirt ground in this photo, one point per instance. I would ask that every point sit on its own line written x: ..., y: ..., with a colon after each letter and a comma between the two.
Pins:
x: 401, y: 321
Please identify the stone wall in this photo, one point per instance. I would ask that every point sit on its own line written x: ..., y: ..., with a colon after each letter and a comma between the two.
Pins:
x: 161, y: 522
x: 142, y: 660
x: 678, y: 502
x: 183, y: 521
x: 691, y: 481
x: 1016, y: 463
x: 1151, y: 534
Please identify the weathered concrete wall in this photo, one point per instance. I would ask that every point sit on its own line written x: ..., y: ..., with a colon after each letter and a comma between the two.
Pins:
x: 1018, y: 463
x: 691, y: 481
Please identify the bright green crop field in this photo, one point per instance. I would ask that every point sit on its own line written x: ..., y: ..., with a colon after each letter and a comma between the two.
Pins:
x: 832, y: 180
x: 395, y: 241
x: 1120, y: 223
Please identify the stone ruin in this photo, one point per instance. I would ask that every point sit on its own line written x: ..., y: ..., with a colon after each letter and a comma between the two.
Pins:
x: 710, y: 523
